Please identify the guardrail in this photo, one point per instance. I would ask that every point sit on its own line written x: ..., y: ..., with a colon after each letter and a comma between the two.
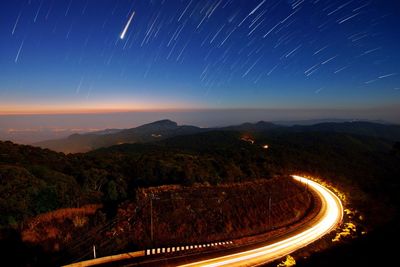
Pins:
x: 147, y: 252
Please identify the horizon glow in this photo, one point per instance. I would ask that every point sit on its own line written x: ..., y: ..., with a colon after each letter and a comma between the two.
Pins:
x: 68, y: 56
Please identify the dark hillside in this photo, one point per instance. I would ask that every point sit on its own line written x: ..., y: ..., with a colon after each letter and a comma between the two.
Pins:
x: 36, y: 181
x: 164, y: 129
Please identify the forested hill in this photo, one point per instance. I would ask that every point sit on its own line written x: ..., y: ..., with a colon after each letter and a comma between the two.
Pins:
x: 385, y: 131
x: 154, y: 131
x: 42, y: 180
x: 165, y: 129
x: 34, y: 181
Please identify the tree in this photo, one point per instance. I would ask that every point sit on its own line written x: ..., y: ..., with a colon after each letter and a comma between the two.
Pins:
x: 46, y: 200
x: 112, y: 191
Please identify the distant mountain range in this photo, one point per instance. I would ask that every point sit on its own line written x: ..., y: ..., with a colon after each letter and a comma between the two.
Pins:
x: 80, y: 143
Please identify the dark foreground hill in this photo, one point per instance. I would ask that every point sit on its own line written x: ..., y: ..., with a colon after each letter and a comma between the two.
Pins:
x: 34, y: 181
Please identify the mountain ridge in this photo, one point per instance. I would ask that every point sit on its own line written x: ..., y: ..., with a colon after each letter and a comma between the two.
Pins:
x: 80, y: 143
x: 163, y: 129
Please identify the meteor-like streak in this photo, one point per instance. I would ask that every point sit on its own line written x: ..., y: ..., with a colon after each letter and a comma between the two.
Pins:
x: 122, y: 36
x: 330, y: 216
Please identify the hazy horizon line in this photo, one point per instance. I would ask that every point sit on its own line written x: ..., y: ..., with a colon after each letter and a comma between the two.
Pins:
x: 191, y: 109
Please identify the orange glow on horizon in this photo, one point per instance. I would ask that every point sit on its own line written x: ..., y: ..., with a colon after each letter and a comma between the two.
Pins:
x: 90, y: 109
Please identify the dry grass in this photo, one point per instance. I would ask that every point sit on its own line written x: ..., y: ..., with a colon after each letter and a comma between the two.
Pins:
x: 53, y: 228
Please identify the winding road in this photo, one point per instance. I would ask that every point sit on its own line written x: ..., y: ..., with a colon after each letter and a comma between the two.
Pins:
x: 327, y: 219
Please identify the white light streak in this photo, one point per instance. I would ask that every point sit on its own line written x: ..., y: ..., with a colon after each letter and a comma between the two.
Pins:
x: 19, y: 51
x: 122, y: 36
x: 291, y: 52
x: 348, y: 18
x: 257, y: 7
x: 16, y: 23
x: 320, y: 50
x: 184, y: 11
x: 387, y: 75
x: 328, y: 60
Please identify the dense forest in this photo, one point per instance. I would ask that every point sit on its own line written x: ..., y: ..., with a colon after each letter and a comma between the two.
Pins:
x: 34, y: 181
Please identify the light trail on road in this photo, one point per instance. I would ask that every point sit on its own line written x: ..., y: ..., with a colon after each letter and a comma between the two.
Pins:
x: 329, y: 217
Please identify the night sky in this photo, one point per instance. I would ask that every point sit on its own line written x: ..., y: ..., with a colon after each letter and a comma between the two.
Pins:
x: 68, y: 55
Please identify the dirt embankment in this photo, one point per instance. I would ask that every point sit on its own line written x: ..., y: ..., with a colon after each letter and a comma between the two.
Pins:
x: 179, y: 215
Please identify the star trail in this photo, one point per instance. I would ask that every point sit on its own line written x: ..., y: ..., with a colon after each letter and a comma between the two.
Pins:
x: 127, y: 26
x: 198, y: 54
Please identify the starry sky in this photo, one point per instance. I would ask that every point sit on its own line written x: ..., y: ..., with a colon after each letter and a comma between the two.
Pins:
x: 68, y: 55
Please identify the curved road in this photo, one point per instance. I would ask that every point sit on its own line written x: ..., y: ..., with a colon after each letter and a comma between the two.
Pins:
x: 329, y: 217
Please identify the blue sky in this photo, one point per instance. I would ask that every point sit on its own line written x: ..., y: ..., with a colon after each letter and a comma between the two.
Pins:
x: 67, y: 55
